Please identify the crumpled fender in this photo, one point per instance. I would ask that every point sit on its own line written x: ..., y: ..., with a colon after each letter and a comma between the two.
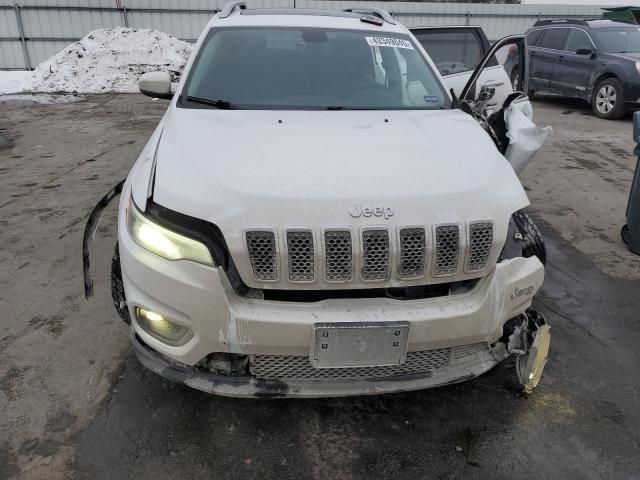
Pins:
x: 525, y: 137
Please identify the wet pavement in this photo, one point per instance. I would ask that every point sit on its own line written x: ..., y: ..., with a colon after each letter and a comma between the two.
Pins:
x: 76, y: 403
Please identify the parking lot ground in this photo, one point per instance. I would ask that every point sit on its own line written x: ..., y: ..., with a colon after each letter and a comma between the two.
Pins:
x: 75, y: 403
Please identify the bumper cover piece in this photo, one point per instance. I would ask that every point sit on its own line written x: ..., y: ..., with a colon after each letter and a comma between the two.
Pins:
x: 471, y: 366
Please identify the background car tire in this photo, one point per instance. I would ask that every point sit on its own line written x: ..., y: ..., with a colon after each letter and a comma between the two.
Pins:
x: 531, y: 236
x: 607, y: 100
x: 117, y: 288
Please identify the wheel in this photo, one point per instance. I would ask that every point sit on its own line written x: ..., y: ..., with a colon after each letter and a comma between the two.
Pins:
x: 531, y: 236
x: 117, y: 288
x: 625, y: 234
x: 608, y: 101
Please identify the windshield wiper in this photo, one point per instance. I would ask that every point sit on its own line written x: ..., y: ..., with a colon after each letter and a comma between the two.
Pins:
x: 221, y: 104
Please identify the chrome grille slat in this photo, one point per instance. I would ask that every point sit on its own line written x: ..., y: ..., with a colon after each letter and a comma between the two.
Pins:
x: 262, y: 254
x: 446, y: 250
x: 412, y: 252
x: 301, y: 256
x: 409, y: 251
x: 375, y: 254
x: 294, y: 367
x: 338, y: 255
x: 480, y: 243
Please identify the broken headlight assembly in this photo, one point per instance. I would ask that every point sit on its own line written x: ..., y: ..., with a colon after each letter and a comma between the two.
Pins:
x: 164, y: 242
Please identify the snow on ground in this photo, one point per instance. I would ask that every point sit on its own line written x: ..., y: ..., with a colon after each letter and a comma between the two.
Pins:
x: 15, y: 81
x: 104, y: 61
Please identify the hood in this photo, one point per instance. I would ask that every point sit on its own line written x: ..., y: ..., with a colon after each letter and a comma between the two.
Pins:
x: 282, y: 169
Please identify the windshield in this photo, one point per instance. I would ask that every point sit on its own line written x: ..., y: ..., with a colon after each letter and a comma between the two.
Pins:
x: 310, y: 68
x: 619, y: 40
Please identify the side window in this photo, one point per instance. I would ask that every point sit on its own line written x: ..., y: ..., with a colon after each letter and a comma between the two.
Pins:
x: 553, y: 38
x: 453, y: 50
x: 577, y: 39
x: 533, y: 37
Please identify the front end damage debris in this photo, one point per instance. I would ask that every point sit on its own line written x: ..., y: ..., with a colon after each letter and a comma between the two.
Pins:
x: 528, y: 338
x: 89, y: 233
x: 510, y: 127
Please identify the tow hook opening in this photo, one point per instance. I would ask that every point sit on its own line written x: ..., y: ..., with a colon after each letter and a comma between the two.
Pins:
x: 528, y: 338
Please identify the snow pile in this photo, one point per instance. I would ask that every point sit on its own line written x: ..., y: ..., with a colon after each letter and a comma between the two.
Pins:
x: 108, y: 60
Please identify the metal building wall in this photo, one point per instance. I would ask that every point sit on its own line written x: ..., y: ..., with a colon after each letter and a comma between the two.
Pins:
x: 49, y: 25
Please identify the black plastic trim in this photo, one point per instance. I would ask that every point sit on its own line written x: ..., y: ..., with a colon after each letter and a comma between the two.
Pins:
x: 201, y: 230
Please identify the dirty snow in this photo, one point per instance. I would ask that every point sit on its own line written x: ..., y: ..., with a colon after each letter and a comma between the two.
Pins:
x: 104, y: 61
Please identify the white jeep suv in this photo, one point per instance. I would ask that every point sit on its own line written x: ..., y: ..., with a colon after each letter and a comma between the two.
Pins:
x: 313, y: 217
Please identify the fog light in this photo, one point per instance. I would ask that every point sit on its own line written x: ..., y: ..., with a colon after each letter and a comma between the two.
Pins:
x: 161, y: 328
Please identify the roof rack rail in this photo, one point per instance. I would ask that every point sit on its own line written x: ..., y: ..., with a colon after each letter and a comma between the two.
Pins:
x: 378, y: 12
x: 230, y: 7
x: 554, y: 21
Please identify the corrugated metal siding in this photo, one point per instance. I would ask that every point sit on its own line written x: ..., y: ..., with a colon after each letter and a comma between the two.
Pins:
x: 71, y: 19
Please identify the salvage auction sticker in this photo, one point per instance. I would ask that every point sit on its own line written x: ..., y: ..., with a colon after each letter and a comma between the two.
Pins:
x: 389, y: 42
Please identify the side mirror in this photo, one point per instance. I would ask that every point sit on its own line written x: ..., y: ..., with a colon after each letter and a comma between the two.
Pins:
x: 586, y: 51
x: 156, y: 85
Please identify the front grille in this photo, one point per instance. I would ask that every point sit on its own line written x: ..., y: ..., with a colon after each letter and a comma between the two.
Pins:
x: 480, y: 243
x: 301, y: 258
x: 412, y: 250
x: 262, y: 254
x: 375, y: 255
x: 339, y: 259
x: 290, y: 367
x: 378, y: 258
x: 447, y: 248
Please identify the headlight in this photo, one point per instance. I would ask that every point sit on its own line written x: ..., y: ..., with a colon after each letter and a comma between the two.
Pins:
x: 638, y: 66
x: 164, y: 242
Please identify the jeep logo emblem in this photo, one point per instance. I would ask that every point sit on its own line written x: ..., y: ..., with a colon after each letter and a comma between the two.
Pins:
x: 367, y: 211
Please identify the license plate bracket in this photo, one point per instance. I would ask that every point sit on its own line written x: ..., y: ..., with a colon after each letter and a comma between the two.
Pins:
x: 359, y: 344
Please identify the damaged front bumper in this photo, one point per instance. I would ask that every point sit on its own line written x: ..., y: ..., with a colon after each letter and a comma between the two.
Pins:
x: 469, y: 367
x: 521, y: 337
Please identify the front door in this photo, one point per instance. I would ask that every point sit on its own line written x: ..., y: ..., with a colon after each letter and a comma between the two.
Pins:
x: 544, y: 59
x: 574, y: 69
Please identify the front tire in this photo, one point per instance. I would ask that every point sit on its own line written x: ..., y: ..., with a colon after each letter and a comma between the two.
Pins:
x: 533, y: 243
x: 117, y: 288
x: 607, y: 101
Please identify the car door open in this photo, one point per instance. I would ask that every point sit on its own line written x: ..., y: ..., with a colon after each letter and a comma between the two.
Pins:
x: 456, y: 51
x: 511, y: 127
